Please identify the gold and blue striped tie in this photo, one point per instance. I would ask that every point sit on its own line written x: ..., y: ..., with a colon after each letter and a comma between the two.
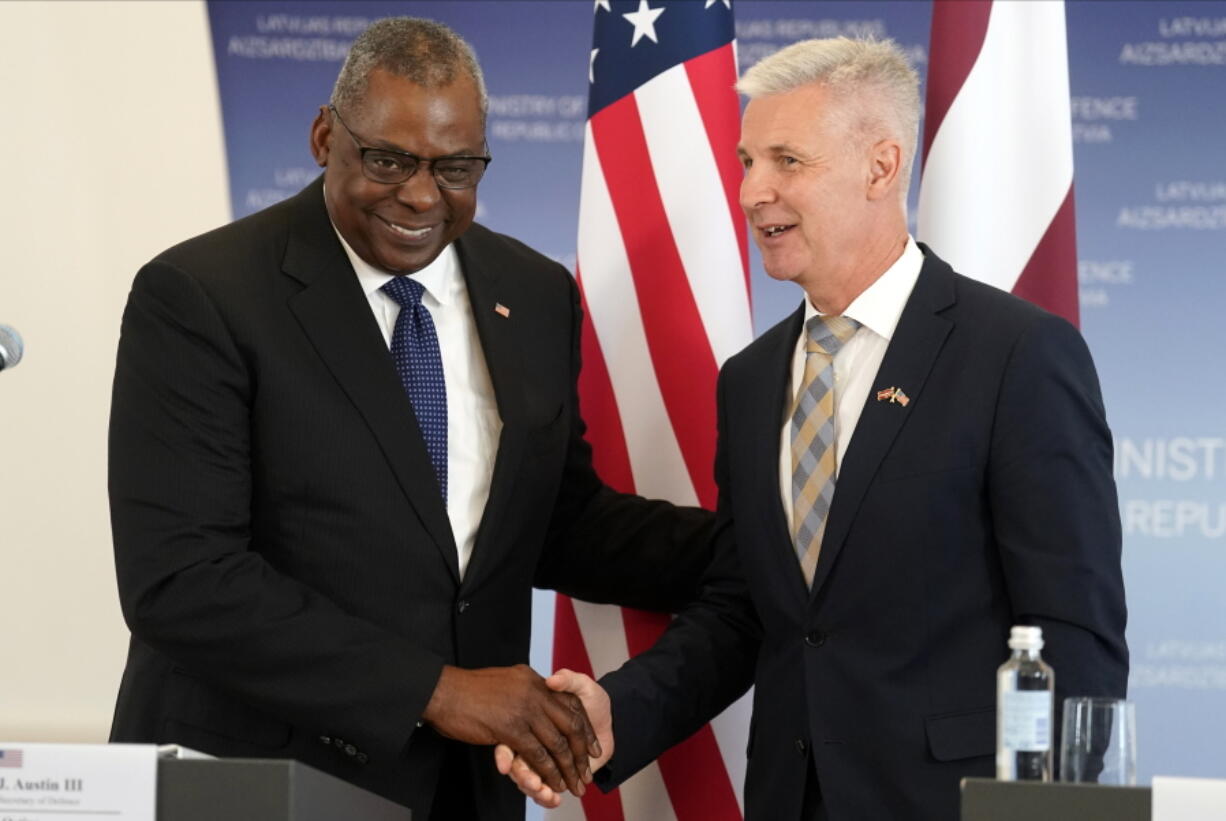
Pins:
x: 813, y: 438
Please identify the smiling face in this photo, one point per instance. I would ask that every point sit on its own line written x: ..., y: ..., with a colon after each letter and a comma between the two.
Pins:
x: 807, y: 185
x: 400, y: 228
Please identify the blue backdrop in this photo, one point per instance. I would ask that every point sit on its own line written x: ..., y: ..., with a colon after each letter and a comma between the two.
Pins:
x: 1149, y: 115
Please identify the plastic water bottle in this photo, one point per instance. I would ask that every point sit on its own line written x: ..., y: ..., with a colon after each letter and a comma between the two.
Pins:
x: 1025, y: 695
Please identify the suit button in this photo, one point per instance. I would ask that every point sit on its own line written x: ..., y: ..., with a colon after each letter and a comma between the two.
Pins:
x: 338, y: 743
x: 350, y: 750
x: 801, y: 746
x: 361, y: 758
x: 815, y: 638
x: 325, y: 740
x: 462, y: 606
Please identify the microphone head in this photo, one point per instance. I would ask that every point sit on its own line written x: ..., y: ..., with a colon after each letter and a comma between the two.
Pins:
x: 10, y: 347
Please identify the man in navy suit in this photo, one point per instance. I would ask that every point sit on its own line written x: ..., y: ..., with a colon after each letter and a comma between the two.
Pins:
x: 315, y: 562
x: 968, y: 486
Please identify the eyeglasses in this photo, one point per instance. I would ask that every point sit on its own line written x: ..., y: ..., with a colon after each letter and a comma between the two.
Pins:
x: 394, y: 167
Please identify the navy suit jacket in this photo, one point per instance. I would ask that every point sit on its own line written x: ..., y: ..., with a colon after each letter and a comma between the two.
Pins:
x: 986, y: 501
x: 284, y: 557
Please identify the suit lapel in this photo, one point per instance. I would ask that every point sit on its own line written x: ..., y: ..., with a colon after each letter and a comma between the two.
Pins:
x: 912, y: 351
x: 487, y: 289
x: 765, y: 412
x: 336, y: 317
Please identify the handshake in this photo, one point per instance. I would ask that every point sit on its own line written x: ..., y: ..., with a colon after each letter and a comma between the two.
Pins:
x: 531, y: 776
x: 551, y: 734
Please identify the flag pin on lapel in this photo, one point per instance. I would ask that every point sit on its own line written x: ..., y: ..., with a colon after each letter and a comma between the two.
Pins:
x: 895, y: 395
x: 502, y: 310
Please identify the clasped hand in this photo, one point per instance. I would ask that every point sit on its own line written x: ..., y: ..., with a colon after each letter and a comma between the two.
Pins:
x: 511, y: 706
x: 536, y: 782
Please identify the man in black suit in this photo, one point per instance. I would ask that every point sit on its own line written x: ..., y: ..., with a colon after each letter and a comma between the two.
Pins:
x: 326, y: 552
x: 967, y: 487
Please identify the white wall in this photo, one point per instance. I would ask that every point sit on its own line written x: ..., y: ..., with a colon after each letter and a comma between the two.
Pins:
x: 110, y: 150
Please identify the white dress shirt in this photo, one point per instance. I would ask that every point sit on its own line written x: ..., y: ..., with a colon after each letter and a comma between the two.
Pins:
x: 877, y: 309
x: 473, y: 423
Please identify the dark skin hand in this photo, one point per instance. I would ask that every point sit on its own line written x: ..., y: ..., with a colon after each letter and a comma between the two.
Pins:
x: 512, y: 706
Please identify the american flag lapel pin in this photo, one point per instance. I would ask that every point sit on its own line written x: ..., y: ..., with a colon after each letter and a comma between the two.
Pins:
x: 502, y: 310
x: 894, y: 395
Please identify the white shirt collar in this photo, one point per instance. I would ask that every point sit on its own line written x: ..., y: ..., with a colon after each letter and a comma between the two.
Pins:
x: 879, y: 306
x: 441, y: 278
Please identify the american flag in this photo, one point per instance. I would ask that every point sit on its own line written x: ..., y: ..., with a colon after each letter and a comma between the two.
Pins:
x: 11, y: 758
x: 663, y: 266
x: 996, y: 196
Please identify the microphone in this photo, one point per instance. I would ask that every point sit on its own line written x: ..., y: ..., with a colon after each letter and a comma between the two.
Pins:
x: 10, y: 347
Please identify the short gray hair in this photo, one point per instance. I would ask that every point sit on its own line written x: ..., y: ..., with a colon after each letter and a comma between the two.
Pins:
x: 422, y: 51
x: 873, y: 78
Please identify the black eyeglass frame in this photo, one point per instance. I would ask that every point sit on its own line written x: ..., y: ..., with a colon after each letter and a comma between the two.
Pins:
x: 407, y: 157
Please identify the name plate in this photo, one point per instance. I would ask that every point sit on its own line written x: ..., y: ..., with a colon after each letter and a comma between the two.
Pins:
x: 42, y: 782
x: 1189, y: 799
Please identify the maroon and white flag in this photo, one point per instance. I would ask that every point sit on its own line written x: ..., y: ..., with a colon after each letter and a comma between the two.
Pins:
x: 663, y: 266
x: 996, y: 195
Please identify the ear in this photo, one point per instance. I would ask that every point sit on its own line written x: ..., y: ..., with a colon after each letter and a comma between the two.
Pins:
x: 885, y: 164
x: 321, y: 136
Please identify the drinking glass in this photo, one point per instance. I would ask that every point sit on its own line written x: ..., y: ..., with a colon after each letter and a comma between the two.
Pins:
x: 1099, y: 741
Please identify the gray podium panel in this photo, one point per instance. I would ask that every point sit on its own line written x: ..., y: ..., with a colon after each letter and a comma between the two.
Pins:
x: 263, y: 790
x: 985, y: 799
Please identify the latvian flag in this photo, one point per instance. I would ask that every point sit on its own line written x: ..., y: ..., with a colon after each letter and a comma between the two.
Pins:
x: 663, y: 266
x: 996, y: 196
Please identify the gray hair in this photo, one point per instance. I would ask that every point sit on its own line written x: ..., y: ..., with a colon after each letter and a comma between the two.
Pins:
x: 873, y: 78
x: 422, y: 51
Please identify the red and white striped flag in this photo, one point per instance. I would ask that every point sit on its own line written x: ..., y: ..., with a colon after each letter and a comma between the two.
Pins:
x: 663, y: 266
x: 996, y: 196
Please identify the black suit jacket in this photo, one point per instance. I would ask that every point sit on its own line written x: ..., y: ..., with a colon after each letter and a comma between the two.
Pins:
x: 986, y: 501
x: 284, y: 557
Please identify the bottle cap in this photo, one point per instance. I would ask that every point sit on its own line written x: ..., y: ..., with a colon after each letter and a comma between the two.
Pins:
x: 1023, y: 637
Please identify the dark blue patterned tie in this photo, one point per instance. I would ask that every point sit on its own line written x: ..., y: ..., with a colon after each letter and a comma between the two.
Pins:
x: 416, y: 354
